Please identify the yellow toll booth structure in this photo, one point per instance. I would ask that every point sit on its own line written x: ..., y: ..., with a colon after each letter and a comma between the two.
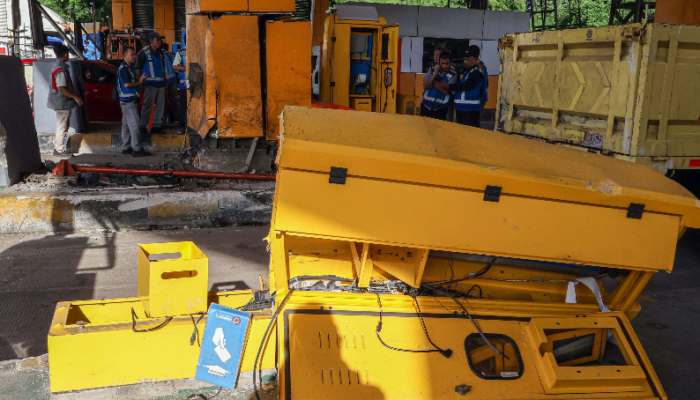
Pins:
x: 359, y: 60
x: 414, y: 258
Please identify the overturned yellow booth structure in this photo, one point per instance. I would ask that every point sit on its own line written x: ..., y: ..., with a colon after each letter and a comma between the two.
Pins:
x: 415, y: 258
x: 427, y: 259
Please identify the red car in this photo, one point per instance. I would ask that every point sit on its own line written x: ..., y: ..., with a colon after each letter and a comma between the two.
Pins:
x: 99, y: 79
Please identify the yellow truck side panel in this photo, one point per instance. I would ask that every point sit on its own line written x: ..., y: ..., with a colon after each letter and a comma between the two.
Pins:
x: 626, y: 91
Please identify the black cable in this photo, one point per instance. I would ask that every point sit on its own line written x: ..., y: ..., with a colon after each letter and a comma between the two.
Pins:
x: 262, y: 344
x: 155, y: 328
x: 478, y: 274
x: 446, y: 353
x: 481, y: 293
x: 473, y: 322
x: 196, y: 331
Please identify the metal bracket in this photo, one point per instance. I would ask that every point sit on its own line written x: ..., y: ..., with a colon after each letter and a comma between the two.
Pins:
x: 338, y: 175
x: 332, y: 84
x: 635, y: 210
x: 492, y: 193
x: 332, y: 38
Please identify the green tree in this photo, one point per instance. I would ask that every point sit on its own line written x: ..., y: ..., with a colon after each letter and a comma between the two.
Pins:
x: 79, y: 10
x: 507, y: 5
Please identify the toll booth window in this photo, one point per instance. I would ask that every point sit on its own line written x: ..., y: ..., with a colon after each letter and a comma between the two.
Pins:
x: 487, y: 363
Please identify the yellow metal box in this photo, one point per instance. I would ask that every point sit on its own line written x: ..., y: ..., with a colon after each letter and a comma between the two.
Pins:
x: 361, y: 103
x: 172, y: 286
x: 628, y: 91
x: 92, y: 344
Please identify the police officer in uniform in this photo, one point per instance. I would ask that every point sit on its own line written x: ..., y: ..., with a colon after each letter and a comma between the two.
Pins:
x: 153, y: 62
x: 469, y: 91
x: 128, y: 88
x: 436, y: 97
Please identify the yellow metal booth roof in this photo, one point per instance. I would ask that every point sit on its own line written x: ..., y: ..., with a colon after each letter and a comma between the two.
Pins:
x: 422, y: 183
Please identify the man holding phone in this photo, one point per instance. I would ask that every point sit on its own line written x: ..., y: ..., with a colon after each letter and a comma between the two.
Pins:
x: 436, y: 98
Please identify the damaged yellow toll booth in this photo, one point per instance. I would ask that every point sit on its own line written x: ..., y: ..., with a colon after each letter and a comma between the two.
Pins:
x: 414, y: 258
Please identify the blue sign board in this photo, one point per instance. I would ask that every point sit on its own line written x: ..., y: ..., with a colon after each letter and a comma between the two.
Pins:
x: 222, y: 346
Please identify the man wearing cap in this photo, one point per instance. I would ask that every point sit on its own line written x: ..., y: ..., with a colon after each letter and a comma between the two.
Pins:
x: 436, y: 97
x: 469, y: 90
x: 154, y: 63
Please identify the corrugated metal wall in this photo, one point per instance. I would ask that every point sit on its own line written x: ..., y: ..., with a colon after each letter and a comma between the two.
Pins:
x: 143, y: 14
x: 3, y: 18
x: 180, y: 19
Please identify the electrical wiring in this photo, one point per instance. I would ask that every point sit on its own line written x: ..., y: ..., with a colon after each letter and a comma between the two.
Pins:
x: 446, y: 353
x: 262, y: 343
x: 488, y: 266
x: 478, y: 329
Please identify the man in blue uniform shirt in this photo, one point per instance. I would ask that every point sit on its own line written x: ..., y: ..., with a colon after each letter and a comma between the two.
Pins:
x: 436, y: 97
x: 128, y: 88
x: 153, y: 62
x: 469, y: 91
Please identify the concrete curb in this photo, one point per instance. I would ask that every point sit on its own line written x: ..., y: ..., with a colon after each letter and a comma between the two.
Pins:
x: 241, y: 204
x: 86, y: 143
x: 29, y: 379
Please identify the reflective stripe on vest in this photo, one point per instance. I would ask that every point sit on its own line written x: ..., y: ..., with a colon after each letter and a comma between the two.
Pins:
x: 469, y: 100
x: 183, y: 62
x: 126, y: 94
x: 154, y: 75
x: 434, y: 99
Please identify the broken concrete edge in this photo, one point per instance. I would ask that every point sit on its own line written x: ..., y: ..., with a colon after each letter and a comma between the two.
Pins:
x: 29, y: 379
x: 136, y: 209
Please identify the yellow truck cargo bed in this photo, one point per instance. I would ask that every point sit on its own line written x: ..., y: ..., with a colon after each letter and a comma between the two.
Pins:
x: 626, y: 91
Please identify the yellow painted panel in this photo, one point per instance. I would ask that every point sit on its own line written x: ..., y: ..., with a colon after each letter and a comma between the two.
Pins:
x: 272, y: 6
x: 128, y: 357
x: 288, y: 65
x: 339, y: 73
x: 419, y: 88
x: 169, y: 17
x: 127, y: 18
x: 337, y: 356
x: 430, y: 152
x: 160, y: 16
x: 196, y: 6
x: 202, y: 110
x: 408, y: 83
x: 239, y: 106
x: 549, y: 230
x: 117, y: 15
x: 167, y: 140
